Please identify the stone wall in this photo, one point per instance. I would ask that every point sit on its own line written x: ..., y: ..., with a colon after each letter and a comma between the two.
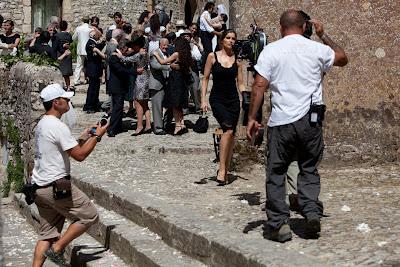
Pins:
x: 20, y: 87
x: 363, y: 99
x: 19, y: 11
x: 73, y: 10
x: 130, y: 10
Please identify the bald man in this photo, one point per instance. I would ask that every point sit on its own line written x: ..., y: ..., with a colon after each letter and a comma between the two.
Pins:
x: 157, y: 84
x: 293, y: 68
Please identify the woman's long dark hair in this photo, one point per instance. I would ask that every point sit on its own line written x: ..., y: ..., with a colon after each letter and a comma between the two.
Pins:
x: 182, y: 46
x: 155, y: 24
x: 224, y: 34
x: 144, y: 15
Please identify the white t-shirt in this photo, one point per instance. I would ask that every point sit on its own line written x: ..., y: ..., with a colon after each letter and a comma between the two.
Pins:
x: 52, y: 140
x: 294, y: 67
x: 82, y: 35
x: 204, y: 26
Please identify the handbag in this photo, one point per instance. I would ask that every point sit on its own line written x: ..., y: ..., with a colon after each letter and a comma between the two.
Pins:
x: 201, y: 125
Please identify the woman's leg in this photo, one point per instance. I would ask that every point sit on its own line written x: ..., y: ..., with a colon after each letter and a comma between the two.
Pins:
x: 145, y: 106
x: 178, y: 116
x: 139, y: 114
x: 67, y: 82
x: 229, y: 158
x: 224, y: 153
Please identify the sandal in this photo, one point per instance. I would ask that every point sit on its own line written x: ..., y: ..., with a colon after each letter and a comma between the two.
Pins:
x: 181, y: 131
x: 221, y: 182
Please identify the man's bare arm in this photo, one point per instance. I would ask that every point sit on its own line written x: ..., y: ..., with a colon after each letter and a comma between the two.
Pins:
x: 260, y: 85
x: 340, y: 56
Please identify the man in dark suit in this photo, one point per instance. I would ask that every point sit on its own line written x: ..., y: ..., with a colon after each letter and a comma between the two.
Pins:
x: 94, y: 70
x: 118, y: 86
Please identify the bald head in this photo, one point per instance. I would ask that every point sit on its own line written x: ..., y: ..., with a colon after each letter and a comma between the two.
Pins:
x: 292, y: 19
x: 164, y: 41
x: 164, y: 44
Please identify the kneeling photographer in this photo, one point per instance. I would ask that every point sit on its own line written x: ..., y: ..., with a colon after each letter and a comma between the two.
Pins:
x: 54, y: 195
x: 293, y: 68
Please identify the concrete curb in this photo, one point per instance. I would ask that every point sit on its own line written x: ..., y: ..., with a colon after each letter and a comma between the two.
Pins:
x: 180, y: 228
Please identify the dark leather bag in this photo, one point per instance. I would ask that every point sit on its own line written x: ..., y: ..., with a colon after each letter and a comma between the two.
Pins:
x: 201, y: 125
x: 62, y: 188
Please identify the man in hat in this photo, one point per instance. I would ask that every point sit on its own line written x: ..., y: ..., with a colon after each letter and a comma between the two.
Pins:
x: 180, y: 27
x: 82, y: 35
x: 55, y: 196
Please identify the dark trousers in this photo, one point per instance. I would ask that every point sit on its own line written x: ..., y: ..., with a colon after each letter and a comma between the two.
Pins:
x: 304, y: 139
x: 92, y: 96
x: 206, y: 40
x: 116, y: 113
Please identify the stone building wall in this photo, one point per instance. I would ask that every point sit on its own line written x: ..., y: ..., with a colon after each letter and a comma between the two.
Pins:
x: 20, y: 11
x: 363, y: 99
x: 20, y: 87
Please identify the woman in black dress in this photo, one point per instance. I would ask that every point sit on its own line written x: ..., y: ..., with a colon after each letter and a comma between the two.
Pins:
x: 9, y: 37
x: 177, y: 94
x: 224, y: 97
x: 63, y: 42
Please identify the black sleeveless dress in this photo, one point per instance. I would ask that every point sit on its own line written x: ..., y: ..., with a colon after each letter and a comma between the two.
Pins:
x: 177, y: 93
x: 224, y: 97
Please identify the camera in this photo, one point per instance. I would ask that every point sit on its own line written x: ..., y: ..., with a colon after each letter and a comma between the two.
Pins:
x: 251, y: 47
x: 309, y: 29
x: 103, y: 121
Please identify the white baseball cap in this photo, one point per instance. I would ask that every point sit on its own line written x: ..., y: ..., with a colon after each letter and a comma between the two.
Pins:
x: 54, y: 91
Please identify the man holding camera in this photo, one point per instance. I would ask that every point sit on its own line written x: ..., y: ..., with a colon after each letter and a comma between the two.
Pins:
x: 293, y: 68
x: 55, y: 196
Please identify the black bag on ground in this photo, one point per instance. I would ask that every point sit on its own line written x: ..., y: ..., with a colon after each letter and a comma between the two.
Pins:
x: 201, y: 125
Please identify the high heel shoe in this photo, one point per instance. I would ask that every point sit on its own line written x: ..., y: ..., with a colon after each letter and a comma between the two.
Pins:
x: 138, y: 133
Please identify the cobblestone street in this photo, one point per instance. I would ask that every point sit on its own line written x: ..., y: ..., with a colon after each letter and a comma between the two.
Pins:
x: 360, y: 226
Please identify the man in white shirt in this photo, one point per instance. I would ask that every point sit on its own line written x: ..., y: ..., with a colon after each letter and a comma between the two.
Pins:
x: 292, y: 68
x: 207, y: 32
x: 82, y: 35
x: 55, y: 196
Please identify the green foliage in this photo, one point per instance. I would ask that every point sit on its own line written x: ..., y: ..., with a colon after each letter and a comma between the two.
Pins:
x: 40, y: 60
x: 15, y: 167
x: 73, y: 48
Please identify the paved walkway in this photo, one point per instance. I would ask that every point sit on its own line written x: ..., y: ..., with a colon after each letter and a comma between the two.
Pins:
x: 361, y: 203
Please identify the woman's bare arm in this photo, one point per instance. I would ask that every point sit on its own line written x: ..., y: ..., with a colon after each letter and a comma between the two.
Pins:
x: 168, y: 60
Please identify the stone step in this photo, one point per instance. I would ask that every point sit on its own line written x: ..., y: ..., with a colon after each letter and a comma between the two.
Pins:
x: 84, y: 251
x: 194, y: 235
x: 136, y: 245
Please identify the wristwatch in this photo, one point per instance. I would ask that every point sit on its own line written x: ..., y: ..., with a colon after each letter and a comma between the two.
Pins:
x: 98, y: 137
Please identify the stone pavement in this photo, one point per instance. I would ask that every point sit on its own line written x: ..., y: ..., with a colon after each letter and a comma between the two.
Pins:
x: 180, y: 171
x: 168, y: 182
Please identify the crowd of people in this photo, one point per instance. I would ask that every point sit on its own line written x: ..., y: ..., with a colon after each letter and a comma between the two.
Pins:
x: 150, y: 62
